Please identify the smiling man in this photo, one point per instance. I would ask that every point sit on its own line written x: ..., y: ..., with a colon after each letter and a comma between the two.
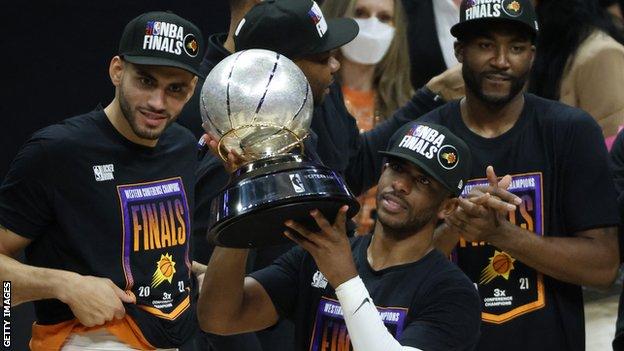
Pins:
x: 299, y: 30
x: 102, y: 204
x: 555, y: 229
x: 387, y: 291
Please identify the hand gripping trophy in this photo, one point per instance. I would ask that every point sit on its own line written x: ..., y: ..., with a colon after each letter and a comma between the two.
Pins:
x: 259, y: 104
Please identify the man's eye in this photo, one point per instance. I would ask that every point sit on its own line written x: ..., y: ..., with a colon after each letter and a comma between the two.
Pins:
x: 485, y: 45
x: 175, y: 88
x: 145, y: 81
x: 395, y: 167
x: 423, y: 180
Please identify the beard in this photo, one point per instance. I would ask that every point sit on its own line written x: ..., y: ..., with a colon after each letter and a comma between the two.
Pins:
x: 474, y: 83
x: 415, y: 222
x: 130, y: 115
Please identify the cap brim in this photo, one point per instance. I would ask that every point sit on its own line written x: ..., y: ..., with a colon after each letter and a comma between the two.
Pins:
x: 339, y: 32
x: 160, y: 61
x: 422, y: 165
x: 462, y: 27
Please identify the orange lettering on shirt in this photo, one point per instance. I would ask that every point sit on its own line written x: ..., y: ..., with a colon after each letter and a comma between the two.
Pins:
x: 136, y: 228
x: 165, y: 234
x: 180, y: 216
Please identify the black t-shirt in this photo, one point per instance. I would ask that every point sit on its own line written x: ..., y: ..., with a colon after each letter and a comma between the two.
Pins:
x: 97, y: 204
x: 428, y: 304
x: 558, y: 160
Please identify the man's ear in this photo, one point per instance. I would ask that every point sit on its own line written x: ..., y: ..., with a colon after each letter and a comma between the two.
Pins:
x: 459, y: 51
x: 115, y: 70
x: 447, y: 207
x: 189, y: 95
x: 532, y: 54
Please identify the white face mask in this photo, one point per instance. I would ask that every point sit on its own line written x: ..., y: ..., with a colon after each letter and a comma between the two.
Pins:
x: 371, y: 43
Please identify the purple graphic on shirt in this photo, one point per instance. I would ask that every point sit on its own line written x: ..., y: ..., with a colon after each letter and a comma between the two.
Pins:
x: 155, y: 218
x: 508, y: 288
x: 330, y: 331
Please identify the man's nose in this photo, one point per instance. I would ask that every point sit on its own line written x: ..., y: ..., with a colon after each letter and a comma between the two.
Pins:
x: 401, y: 184
x: 501, y: 60
x: 156, y: 99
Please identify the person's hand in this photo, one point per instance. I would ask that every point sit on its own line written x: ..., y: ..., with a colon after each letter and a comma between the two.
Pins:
x: 95, y: 301
x: 234, y: 159
x: 474, y: 221
x: 200, y: 271
x: 330, y: 247
x: 482, y: 216
x: 499, y: 198
x: 448, y: 84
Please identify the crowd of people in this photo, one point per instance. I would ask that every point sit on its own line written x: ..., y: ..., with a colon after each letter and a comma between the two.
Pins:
x: 481, y: 137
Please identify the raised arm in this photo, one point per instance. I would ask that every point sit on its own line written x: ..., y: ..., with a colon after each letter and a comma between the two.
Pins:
x: 229, y: 302
x: 365, y: 163
x: 587, y: 257
x: 446, y: 237
x: 331, y: 251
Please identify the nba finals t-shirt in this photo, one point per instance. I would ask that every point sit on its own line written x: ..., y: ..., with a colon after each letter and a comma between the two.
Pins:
x: 428, y: 304
x: 559, y: 167
x: 96, y: 204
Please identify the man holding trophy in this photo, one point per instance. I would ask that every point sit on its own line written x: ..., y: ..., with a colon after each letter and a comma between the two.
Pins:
x: 287, y: 27
x: 298, y: 30
x: 386, y: 291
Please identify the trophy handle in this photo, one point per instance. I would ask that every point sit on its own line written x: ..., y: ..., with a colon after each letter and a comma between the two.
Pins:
x: 298, y: 141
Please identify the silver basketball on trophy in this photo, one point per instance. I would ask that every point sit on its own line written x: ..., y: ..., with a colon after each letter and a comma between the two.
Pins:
x: 259, y: 104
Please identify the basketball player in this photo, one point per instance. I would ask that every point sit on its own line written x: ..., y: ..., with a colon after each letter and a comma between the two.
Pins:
x: 286, y: 26
x: 102, y: 203
x: 386, y: 291
x: 299, y: 30
x: 529, y: 264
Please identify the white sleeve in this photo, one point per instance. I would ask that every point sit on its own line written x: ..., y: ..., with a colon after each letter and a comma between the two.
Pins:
x: 366, y: 329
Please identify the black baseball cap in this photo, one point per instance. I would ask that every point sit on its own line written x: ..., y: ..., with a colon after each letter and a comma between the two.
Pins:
x: 293, y: 28
x: 437, y: 151
x: 162, y: 39
x: 477, y: 11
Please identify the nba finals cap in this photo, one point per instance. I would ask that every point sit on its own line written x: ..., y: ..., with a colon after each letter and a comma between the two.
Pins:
x: 162, y: 39
x: 293, y: 28
x: 434, y: 149
x: 518, y: 11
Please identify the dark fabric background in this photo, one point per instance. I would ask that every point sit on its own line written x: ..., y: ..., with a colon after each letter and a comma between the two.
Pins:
x: 55, y: 57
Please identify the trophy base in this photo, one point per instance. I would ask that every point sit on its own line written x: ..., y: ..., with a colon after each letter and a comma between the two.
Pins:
x: 252, y: 209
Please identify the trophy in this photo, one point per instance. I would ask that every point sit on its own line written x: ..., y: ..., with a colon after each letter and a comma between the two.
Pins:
x: 259, y: 104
